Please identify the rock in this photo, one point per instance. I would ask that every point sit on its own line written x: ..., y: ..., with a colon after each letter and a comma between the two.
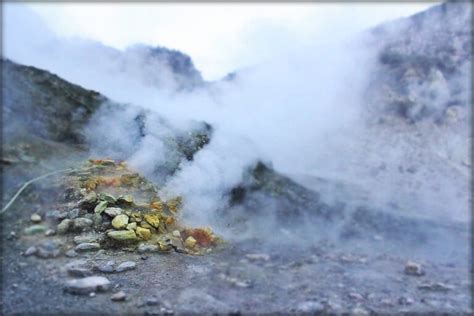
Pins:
x: 119, y: 296
x: 107, y: 267
x: 257, y: 257
x: 439, y: 287
x: 49, y: 232
x: 125, y: 198
x: 125, y: 266
x: 48, y: 249
x: 30, y: 251
x: 107, y: 197
x: 87, y: 285
x: 87, y: 246
x: 82, y: 223
x: 122, y: 235
x: 153, y: 220
x: 176, y: 233
x: 413, y: 268
x: 143, y: 247
x: 310, y: 307
x: 74, y: 213
x: 100, y: 207
x: 56, y: 215
x: 97, y: 219
x: 89, y: 198
x: 356, y: 296
x: 132, y: 226
x: 190, y: 242
x: 405, y: 300
x: 35, y: 229
x: 35, y: 218
x: 71, y: 253
x: 143, y: 233
x: 87, y: 238
x: 120, y: 221
x: 152, y: 301
x: 79, y: 269
x: 64, y: 226
x: 113, y: 211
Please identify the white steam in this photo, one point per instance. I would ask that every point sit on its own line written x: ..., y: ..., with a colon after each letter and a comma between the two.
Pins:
x: 302, y: 109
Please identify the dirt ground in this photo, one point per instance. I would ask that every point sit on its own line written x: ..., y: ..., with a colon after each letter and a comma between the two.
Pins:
x: 248, y: 276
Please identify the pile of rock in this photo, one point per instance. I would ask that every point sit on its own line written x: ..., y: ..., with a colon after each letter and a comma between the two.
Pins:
x: 109, y: 206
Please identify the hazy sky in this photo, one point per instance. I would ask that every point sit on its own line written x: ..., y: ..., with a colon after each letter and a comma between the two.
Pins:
x: 219, y: 37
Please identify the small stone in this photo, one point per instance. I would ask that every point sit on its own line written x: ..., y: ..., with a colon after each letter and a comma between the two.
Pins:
x: 73, y: 213
x: 100, y: 207
x: 413, y: 268
x: 48, y: 249
x: 113, y: 211
x: 119, y: 296
x: 310, y: 307
x: 97, y: 219
x: 257, y: 257
x: 87, y: 246
x: 79, y: 269
x: 439, y: 287
x: 132, y: 226
x: 64, y: 226
x: 82, y: 223
x: 35, y: 218
x: 90, y: 238
x: 107, y: 267
x: 120, y: 221
x: 107, y: 197
x: 89, y: 198
x: 56, y: 215
x: 143, y: 247
x: 136, y: 217
x: 176, y: 233
x: 87, y: 285
x: 35, y: 229
x: 30, y: 251
x: 356, y: 296
x: 190, y: 242
x: 405, y: 300
x: 153, y: 220
x: 125, y: 266
x: 152, y: 301
x: 71, y: 253
x: 125, y: 198
x: 122, y: 235
x: 143, y: 233
x: 49, y: 232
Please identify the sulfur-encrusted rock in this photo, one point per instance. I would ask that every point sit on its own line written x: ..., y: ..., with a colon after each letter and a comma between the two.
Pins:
x: 153, y: 220
x: 122, y: 235
x: 190, y: 242
x: 120, y: 221
x: 143, y: 233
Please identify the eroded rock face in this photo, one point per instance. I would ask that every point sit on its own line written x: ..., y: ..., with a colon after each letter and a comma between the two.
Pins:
x: 423, y: 63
